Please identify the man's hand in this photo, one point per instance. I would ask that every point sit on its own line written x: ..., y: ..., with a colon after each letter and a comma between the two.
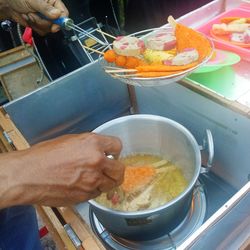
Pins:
x: 60, y: 172
x: 24, y: 12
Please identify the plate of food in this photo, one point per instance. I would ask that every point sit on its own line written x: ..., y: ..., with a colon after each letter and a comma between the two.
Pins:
x: 234, y: 30
x: 219, y: 59
x: 158, y: 56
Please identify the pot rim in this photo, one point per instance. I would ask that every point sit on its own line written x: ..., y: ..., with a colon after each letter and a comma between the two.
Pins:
x: 191, y: 183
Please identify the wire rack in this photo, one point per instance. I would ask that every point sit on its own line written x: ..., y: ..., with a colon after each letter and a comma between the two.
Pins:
x: 89, y: 35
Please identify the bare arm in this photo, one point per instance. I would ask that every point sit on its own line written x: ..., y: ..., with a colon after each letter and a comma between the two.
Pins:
x: 23, y: 12
x: 60, y: 172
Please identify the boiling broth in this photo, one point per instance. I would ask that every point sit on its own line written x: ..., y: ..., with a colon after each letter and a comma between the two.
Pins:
x: 145, y: 186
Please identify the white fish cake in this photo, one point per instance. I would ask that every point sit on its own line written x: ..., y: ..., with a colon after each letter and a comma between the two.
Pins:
x: 161, y: 41
x: 128, y: 46
x: 185, y: 57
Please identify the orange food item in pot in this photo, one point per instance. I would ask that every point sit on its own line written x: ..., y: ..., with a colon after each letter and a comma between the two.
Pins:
x: 137, y: 177
x: 121, y: 61
x: 110, y: 56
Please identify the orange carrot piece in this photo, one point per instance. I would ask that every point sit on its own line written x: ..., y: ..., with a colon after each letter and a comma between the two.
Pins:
x: 164, y: 68
x: 110, y: 56
x: 231, y: 19
x: 132, y: 62
x: 120, y: 61
x: 188, y: 38
x: 135, y: 177
x: 156, y: 74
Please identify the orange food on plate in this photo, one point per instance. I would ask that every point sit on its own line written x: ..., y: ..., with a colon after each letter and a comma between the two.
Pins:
x: 231, y: 19
x: 188, y: 38
x: 155, y: 58
x: 235, y: 30
x: 165, y: 68
x: 137, y: 177
x: 110, y: 56
x: 121, y: 61
x: 132, y: 62
x: 157, y: 74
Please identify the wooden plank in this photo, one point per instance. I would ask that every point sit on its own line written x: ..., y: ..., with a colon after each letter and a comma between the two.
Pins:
x: 15, y: 135
x: 6, y: 92
x: 11, y: 51
x: 246, y: 245
x: 22, y: 80
x: 83, y: 231
x: 4, y: 145
x: 55, y: 228
x: 14, y: 55
x: 19, y: 72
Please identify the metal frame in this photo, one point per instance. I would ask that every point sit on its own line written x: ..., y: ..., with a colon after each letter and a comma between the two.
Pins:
x: 216, y: 217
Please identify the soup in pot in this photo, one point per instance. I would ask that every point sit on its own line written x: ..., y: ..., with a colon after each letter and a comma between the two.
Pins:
x: 149, y: 182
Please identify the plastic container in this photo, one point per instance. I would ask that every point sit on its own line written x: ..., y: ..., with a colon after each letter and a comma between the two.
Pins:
x: 244, y: 53
x: 245, y: 6
x: 222, y: 59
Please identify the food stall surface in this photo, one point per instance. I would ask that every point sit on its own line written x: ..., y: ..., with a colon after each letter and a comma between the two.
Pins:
x: 211, y: 192
x: 86, y: 98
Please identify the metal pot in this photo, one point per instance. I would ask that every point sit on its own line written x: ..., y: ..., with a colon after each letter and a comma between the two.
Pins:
x: 154, y: 135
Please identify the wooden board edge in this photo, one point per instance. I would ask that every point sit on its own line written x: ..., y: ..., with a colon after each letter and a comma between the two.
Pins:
x: 55, y: 228
x: 15, y: 135
x: 81, y: 228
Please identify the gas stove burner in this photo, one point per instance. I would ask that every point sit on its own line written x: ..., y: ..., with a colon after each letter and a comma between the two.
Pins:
x: 193, y: 221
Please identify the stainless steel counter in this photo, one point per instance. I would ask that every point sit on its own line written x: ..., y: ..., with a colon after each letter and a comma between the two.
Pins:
x: 87, y: 98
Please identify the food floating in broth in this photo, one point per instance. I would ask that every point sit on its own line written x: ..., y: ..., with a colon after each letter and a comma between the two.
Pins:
x: 149, y: 182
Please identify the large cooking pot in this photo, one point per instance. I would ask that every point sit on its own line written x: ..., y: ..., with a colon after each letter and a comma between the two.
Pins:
x: 154, y: 135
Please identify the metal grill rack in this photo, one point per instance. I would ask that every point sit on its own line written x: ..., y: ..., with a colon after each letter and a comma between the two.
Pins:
x: 89, y: 35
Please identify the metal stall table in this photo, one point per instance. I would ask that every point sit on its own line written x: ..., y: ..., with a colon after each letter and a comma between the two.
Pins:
x: 86, y: 98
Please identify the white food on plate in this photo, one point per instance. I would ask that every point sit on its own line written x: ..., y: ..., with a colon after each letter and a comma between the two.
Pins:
x: 238, y: 27
x: 220, y: 29
x: 128, y: 46
x: 223, y: 29
x: 237, y: 37
x: 247, y: 36
x: 156, y: 56
x: 161, y: 41
x: 186, y: 57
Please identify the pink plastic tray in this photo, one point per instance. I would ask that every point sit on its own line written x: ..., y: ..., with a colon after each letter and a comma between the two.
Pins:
x: 244, y: 53
x: 245, y: 6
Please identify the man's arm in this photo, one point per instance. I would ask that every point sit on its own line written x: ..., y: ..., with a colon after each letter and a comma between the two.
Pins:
x: 24, y: 12
x: 60, y: 172
x: 10, y: 191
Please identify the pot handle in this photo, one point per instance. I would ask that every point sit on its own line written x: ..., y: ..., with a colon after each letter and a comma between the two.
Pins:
x: 208, y: 145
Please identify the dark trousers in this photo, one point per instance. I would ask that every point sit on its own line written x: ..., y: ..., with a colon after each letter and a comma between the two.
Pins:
x: 19, y: 229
